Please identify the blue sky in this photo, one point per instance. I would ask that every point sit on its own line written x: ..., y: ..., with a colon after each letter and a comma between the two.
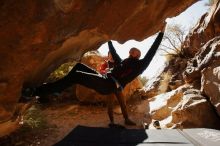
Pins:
x: 187, y: 19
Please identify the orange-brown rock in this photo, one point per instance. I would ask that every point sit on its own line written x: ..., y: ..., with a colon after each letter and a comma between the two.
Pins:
x: 39, y: 35
x: 211, y: 84
x: 204, y: 58
x: 207, y: 28
x: 169, y: 79
x: 201, y: 42
x: 176, y: 68
x: 184, y: 107
x: 151, y: 87
x: 84, y: 94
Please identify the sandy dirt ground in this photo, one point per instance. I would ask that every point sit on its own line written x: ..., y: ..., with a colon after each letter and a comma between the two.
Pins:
x: 63, y: 118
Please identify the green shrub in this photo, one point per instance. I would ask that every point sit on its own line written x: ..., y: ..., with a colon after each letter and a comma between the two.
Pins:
x: 34, y: 119
x: 61, y: 71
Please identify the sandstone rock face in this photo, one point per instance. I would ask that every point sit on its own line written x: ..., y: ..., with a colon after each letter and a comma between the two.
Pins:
x: 205, y: 57
x: 176, y: 68
x: 184, y: 107
x: 200, y: 37
x: 202, y: 42
x: 39, y: 35
x: 170, y: 78
x: 211, y: 84
x: 151, y: 87
x: 205, y: 40
x: 87, y: 95
x: 206, y: 29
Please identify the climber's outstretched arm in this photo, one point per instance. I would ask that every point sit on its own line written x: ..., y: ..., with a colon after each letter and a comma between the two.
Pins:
x: 114, y: 54
x: 152, y: 51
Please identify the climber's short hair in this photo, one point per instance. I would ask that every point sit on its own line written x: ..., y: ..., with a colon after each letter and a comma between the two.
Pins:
x: 134, y: 53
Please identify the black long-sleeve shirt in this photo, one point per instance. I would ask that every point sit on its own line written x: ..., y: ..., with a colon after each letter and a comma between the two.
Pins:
x: 128, y: 69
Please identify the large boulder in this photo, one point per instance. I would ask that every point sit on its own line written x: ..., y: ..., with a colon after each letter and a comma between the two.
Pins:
x: 84, y: 94
x: 204, y: 43
x: 201, y: 43
x: 184, y: 107
x: 204, y: 58
x: 204, y: 66
x: 206, y: 29
x: 211, y: 84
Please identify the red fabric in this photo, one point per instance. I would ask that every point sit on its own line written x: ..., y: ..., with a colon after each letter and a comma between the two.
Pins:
x: 103, y: 68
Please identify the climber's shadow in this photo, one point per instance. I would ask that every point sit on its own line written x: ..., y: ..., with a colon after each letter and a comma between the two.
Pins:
x: 95, y: 136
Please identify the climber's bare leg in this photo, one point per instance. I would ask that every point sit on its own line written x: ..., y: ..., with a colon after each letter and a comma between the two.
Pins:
x: 122, y: 104
x: 110, y: 108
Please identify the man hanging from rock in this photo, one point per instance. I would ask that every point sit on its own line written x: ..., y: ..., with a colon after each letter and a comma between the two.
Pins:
x: 104, y: 69
x: 123, y: 72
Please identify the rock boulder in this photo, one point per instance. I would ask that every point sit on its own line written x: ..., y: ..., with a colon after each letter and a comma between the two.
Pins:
x: 184, y: 107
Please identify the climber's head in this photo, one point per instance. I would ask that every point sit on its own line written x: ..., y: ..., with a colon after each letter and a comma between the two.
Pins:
x: 134, y: 53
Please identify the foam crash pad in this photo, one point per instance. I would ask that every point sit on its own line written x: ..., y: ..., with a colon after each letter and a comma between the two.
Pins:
x: 97, y: 136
